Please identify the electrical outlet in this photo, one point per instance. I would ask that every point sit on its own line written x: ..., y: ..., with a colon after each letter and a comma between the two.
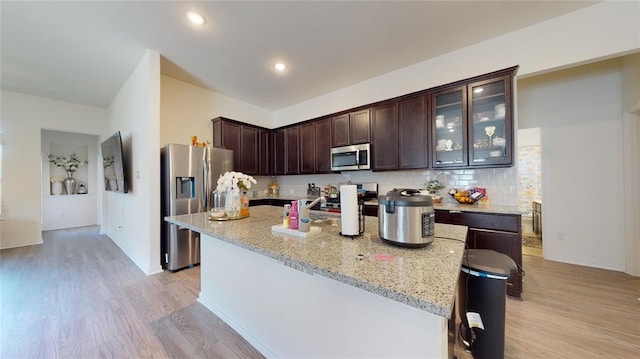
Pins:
x: 560, y: 236
x: 290, y: 191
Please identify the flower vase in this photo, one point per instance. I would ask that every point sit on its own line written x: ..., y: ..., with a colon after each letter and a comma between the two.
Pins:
x: 232, y: 205
x: 56, y: 188
x: 70, y: 183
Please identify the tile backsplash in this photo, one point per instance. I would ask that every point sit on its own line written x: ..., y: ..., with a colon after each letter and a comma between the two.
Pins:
x: 501, y: 183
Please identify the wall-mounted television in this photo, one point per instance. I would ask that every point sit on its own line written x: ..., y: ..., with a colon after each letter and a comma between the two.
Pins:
x: 113, y: 162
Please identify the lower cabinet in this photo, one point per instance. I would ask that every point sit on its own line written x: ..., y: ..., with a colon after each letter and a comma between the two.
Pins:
x: 500, y: 232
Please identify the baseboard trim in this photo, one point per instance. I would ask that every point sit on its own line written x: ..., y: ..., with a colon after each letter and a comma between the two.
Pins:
x: 40, y: 241
x: 257, y: 344
x: 585, y: 263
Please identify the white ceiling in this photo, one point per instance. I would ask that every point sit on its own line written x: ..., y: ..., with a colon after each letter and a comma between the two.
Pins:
x: 84, y: 51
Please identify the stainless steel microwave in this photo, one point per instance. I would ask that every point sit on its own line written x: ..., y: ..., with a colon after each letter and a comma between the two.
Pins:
x: 356, y: 157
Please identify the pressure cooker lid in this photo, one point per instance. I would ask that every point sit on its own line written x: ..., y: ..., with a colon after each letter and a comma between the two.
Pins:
x: 405, y: 197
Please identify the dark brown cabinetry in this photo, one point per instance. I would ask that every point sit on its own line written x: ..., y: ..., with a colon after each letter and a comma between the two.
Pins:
x: 307, y: 148
x: 292, y: 151
x: 468, y: 123
x: 315, y: 146
x: 384, y: 135
x: 323, y: 145
x: 449, y: 113
x: 249, y: 155
x: 265, y: 153
x: 350, y: 128
x: 496, y: 231
x: 472, y: 122
x: 490, y: 123
x: 249, y: 150
x: 278, y: 152
x: 413, y: 132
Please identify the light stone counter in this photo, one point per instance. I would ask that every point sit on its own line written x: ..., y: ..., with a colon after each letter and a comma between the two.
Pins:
x: 424, y: 278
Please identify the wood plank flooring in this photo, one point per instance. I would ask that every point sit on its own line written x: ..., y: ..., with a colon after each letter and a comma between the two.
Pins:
x: 78, y: 296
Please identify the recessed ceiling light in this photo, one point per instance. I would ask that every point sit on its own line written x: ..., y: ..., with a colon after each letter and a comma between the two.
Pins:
x: 280, y: 66
x: 195, y: 18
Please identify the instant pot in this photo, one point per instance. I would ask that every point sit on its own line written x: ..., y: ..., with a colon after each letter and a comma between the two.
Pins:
x: 406, y: 218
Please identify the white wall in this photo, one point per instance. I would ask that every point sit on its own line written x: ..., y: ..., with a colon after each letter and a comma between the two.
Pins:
x: 631, y: 138
x: 598, y: 31
x: 23, y: 118
x: 579, y: 112
x: 65, y: 211
x: 133, y: 219
x: 186, y: 110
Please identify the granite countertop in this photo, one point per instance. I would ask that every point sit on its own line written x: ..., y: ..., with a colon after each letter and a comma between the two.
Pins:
x: 445, y: 205
x: 424, y: 278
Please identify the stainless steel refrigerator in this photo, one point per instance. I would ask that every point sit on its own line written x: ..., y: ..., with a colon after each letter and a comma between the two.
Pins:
x: 189, y: 176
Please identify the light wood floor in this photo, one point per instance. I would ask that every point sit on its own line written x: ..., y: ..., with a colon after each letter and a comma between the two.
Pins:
x: 79, y: 296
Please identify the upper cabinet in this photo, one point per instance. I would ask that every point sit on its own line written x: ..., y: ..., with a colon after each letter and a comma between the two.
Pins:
x: 292, y: 150
x: 449, y: 147
x: 265, y: 153
x: 350, y: 128
x: 490, y: 122
x: 413, y: 135
x: 323, y: 145
x: 472, y: 123
x: 468, y: 123
x: 384, y: 135
x: 278, y: 151
x: 245, y: 141
x: 315, y: 146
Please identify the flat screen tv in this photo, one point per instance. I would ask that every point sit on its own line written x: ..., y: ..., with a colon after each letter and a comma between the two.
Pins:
x: 113, y: 162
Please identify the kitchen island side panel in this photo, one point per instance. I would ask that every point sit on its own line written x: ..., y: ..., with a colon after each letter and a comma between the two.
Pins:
x: 287, y: 313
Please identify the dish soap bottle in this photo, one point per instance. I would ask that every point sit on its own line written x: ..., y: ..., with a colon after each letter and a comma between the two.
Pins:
x: 285, y: 215
x: 293, y: 215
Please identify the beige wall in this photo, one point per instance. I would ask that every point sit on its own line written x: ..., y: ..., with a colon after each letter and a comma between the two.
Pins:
x: 579, y: 113
x: 187, y: 110
x: 596, y: 32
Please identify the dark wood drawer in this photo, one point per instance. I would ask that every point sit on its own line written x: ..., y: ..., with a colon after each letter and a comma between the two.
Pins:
x: 492, y: 221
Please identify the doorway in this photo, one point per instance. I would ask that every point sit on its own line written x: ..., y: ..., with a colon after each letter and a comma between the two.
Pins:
x: 530, y: 189
x: 67, y: 204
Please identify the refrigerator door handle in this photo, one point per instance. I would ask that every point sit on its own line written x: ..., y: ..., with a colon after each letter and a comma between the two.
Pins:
x: 205, y: 180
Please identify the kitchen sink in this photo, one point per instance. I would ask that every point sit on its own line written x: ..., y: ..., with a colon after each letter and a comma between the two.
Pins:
x: 319, y: 217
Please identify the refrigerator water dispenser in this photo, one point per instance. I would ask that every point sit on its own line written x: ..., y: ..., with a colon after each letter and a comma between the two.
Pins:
x: 186, y: 187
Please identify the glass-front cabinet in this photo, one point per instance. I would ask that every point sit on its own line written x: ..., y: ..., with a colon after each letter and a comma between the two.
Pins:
x: 490, y: 123
x: 472, y: 124
x: 449, y: 120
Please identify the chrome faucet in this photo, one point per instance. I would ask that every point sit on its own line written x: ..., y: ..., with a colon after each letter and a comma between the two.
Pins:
x: 321, y: 199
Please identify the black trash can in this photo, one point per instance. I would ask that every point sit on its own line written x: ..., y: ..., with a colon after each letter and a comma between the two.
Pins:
x: 482, y: 295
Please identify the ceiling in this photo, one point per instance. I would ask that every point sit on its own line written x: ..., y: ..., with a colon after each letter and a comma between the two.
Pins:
x: 83, y: 52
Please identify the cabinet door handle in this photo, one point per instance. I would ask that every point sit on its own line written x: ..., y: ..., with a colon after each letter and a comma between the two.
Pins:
x: 454, y: 212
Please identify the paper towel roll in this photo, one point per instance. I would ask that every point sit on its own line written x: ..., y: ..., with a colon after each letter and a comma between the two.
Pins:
x: 349, y: 210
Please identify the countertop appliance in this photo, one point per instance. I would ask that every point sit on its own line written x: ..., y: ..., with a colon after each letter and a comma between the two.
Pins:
x: 356, y: 157
x: 367, y: 191
x: 189, y: 175
x: 406, y: 218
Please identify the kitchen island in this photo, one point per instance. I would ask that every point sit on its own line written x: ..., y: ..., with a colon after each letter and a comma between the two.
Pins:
x: 327, y: 295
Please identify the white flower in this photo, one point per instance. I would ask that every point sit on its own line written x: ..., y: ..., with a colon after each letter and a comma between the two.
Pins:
x: 69, y: 163
x: 232, y: 182
x: 490, y: 130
